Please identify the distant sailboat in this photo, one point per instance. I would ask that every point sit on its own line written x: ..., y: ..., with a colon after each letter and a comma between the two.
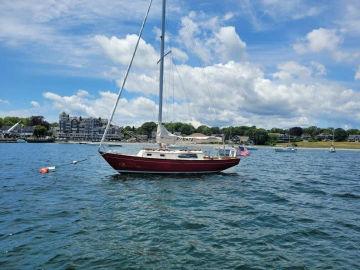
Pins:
x: 288, y: 149
x: 332, y: 148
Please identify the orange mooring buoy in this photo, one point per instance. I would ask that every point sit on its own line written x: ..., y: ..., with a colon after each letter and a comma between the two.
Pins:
x: 44, y: 170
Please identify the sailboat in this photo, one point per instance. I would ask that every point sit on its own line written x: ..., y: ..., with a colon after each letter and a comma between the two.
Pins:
x: 332, y: 148
x: 164, y: 159
x: 288, y: 149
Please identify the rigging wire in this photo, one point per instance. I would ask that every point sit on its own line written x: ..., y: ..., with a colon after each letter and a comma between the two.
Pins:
x: 126, y: 74
x: 183, y: 89
x: 173, y: 88
x: 209, y: 91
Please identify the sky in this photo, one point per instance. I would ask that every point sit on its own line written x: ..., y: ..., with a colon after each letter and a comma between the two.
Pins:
x: 269, y: 63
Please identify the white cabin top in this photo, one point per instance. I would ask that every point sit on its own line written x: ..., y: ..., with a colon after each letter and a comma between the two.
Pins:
x: 172, y: 154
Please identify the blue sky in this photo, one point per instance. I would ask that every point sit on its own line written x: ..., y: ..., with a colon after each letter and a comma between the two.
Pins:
x: 266, y: 62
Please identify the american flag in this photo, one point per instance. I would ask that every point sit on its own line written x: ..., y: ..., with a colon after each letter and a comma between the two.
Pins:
x: 242, y: 152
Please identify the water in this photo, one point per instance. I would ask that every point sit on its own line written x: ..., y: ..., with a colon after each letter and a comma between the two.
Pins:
x: 274, y: 211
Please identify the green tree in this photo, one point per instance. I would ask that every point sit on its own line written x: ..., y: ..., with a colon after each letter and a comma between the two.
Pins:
x: 272, y: 140
x: 260, y: 136
x: 340, y: 135
x: 296, y: 131
x: 215, y: 130
x: 277, y: 130
x: 204, y: 130
x: 147, y: 128
x: 40, y: 131
x: 353, y: 131
x: 312, y: 131
x: 187, y: 129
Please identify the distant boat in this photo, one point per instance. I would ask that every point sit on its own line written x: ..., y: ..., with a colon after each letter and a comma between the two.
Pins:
x: 288, y: 149
x: 21, y: 141
x: 332, y: 148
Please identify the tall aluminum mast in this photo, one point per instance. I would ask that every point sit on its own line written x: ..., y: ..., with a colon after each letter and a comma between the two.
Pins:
x: 161, y: 79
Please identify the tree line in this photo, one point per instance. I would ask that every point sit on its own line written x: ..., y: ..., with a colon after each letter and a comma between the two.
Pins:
x: 257, y: 135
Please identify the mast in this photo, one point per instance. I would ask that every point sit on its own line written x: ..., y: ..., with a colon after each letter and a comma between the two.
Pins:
x: 161, y: 78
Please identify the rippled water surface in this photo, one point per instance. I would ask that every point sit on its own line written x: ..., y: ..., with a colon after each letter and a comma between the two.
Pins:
x: 273, y: 211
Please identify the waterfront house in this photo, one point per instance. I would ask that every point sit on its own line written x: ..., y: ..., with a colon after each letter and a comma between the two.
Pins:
x: 354, y: 138
x: 240, y: 139
x: 324, y: 137
x: 305, y: 137
x: 85, y: 129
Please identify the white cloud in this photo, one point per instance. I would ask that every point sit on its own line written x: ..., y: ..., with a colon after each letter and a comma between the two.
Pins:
x: 232, y: 93
x: 291, y: 70
x: 61, y: 32
x: 228, y: 44
x: 4, y: 101
x: 35, y: 104
x: 121, y: 50
x: 357, y: 74
x: 318, y: 40
x: 228, y: 16
x: 348, y: 19
x: 179, y: 55
x: 286, y: 10
x: 209, y: 40
x: 318, y: 68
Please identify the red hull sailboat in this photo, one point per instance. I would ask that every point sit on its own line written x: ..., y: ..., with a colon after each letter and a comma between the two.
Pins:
x: 135, y: 164
x: 165, y: 159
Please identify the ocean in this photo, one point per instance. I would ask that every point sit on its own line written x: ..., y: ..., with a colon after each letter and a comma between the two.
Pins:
x: 273, y: 211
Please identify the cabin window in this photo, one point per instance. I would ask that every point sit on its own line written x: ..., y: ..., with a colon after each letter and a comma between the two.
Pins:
x: 187, y: 156
x: 162, y: 155
x: 149, y: 155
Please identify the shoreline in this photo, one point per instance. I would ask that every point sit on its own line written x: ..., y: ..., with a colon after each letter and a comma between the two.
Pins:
x: 119, y: 144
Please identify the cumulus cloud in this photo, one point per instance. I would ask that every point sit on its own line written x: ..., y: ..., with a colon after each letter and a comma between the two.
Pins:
x: 121, y: 50
x: 35, y: 104
x: 232, y: 93
x: 318, y: 40
x: 292, y: 70
x: 209, y: 40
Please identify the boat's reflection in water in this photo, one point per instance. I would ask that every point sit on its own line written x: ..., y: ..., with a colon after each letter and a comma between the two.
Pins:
x: 161, y: 177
